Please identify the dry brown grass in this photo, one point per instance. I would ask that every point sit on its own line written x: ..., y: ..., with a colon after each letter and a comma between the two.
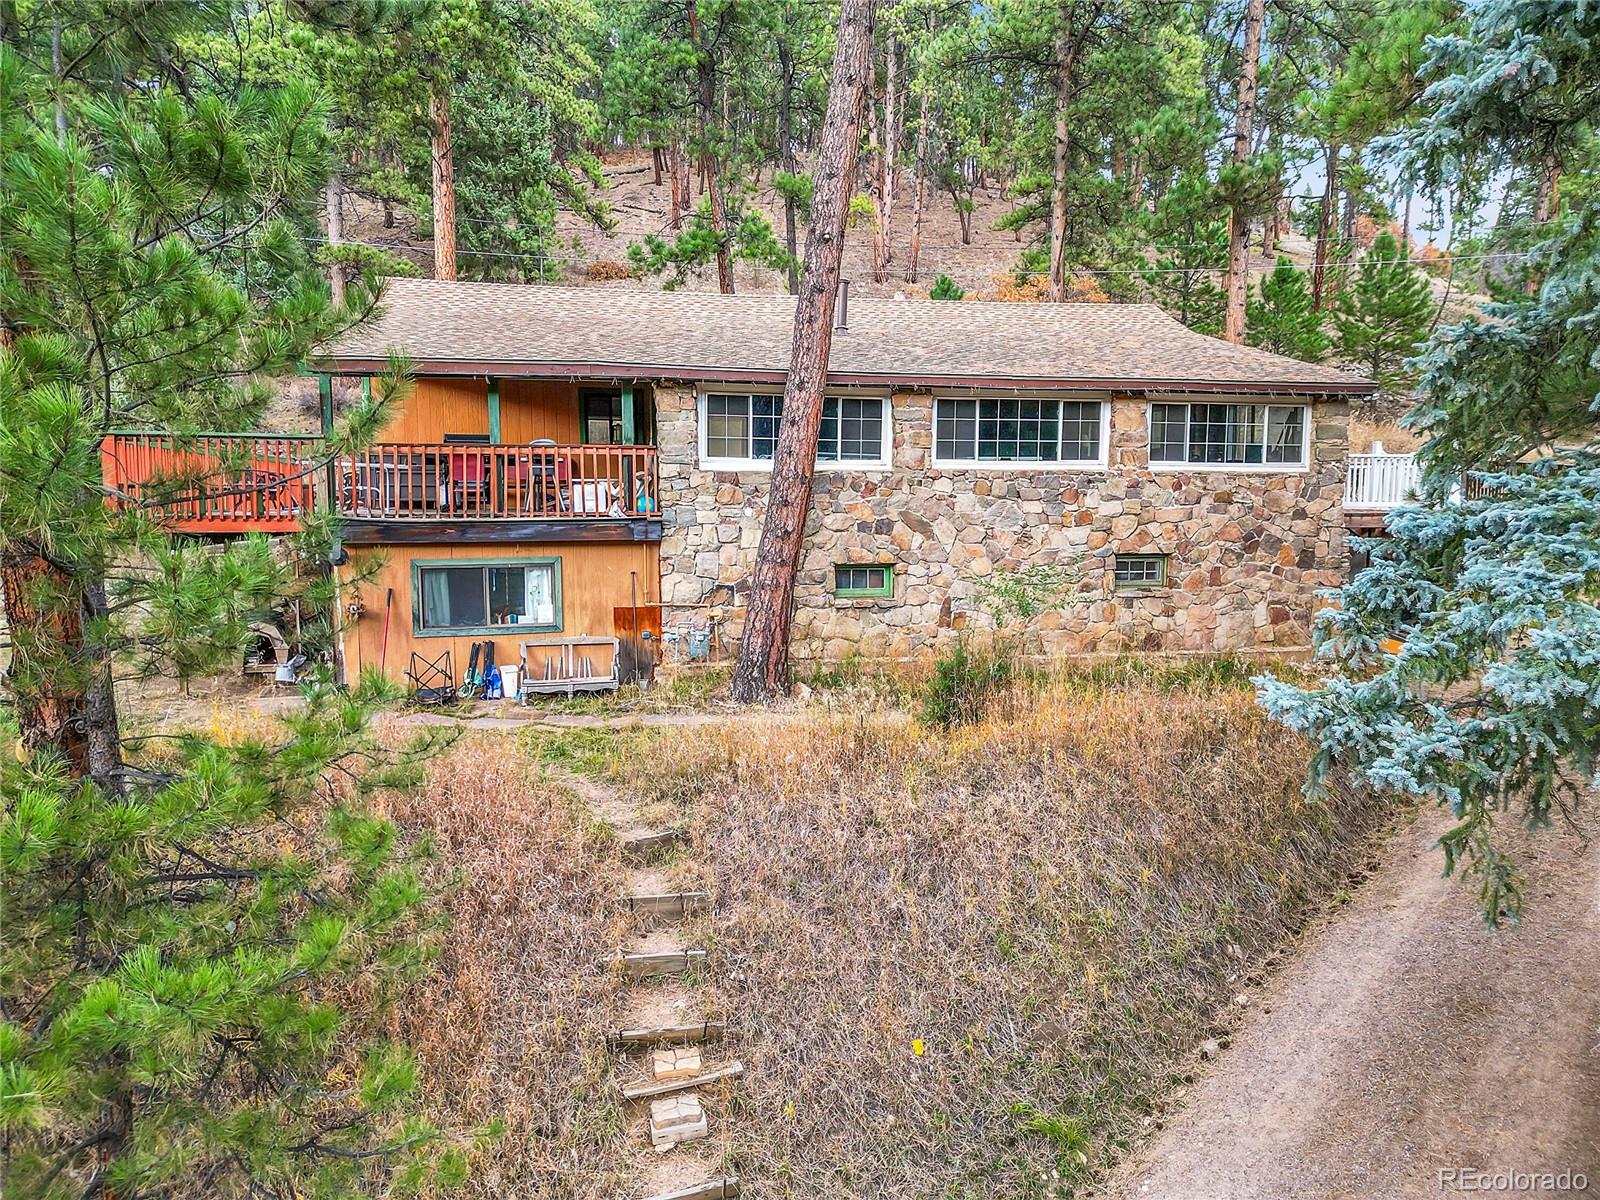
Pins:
x: 1049, y: 908
x: 511, y: 1022
x: 956, y: 966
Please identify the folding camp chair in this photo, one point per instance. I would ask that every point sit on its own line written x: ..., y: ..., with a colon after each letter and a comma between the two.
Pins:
x: 434, y: 680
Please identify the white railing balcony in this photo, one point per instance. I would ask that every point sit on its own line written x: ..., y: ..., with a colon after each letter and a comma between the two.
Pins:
x: 1379, y: 482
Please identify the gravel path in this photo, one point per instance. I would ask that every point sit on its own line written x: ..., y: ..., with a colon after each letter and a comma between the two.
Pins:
x: 1403, y: 1040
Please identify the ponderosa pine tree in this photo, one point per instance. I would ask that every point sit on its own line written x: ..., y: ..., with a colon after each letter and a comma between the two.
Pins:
x: 1281, y: 318
x: 1489, y: 707
x: 1383, y: 316
x: 195, y: 932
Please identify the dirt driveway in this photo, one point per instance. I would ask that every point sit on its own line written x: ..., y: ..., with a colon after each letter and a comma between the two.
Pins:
x: 1403, y: 1041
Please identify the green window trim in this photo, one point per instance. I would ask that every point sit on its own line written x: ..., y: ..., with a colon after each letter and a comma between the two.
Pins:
x: 418, y: 565
x: 855, y: 591
x: 1139, y: 564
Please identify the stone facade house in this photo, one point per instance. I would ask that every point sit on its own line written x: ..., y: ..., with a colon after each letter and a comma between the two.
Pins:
x: 596, y: 461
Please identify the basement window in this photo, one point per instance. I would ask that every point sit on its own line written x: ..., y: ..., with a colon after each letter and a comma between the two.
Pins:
x: 858, y: 581
x: 1140, y: 571
x: 462, y: 596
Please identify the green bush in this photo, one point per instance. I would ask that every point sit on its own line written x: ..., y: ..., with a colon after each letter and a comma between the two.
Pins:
x: 964, y: 685
x: 945, y: 288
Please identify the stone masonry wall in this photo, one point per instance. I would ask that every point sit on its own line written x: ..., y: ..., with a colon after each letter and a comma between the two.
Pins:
x: 1249, y: 550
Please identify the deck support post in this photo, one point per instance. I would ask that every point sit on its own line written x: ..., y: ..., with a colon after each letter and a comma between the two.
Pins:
x: 330, y: 475
x: 628, y: 427
x: 494, y: 410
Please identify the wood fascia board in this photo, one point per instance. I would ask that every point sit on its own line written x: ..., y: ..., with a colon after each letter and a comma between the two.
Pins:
x: 362, y: 531
x: 682, y: 374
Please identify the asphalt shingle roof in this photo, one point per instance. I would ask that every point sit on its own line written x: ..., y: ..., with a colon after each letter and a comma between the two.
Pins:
x: 504, y: 328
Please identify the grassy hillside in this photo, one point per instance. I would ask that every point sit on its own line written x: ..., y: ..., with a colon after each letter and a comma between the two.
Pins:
x: 955, y: 965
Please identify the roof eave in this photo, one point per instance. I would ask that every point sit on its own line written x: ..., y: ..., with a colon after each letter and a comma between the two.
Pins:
x: 371, y: 365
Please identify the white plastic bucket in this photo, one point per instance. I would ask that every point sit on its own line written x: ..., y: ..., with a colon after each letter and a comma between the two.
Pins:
x: 508, y: 681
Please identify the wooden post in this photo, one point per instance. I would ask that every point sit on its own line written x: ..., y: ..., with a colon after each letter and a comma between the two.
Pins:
x: 1239, y: 217
x: 494, y: 410
x: 629, y: 428
x: 763, y: 666
x: 330, y: 472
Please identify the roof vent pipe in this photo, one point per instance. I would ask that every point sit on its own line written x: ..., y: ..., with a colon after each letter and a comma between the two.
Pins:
x: 841, y: 308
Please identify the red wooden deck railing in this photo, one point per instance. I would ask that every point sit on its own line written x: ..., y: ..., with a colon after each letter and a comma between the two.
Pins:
x: 439, y: 481
x: 213, y: 483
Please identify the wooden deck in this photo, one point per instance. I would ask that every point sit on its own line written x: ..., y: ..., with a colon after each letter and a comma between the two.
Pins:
x: 213, y: 483
x: 393, y: 491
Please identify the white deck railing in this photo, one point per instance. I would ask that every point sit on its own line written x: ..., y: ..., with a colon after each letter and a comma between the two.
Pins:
x: 1379, y: 482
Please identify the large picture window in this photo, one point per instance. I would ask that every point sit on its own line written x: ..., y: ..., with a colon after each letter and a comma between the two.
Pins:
x: 742, y: 430
x: 456, y: 596
x: 1267, y: 435
x: 1016, y: 430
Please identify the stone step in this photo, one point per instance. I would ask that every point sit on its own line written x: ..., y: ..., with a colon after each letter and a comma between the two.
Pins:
x: 677, y: 1119
x: 655, y: 963
x: 676, y: 1062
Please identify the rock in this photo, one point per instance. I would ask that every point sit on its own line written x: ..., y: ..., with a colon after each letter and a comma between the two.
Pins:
x: 677, y: 1119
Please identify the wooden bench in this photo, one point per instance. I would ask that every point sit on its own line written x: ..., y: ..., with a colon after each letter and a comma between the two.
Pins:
x: 554, y: 665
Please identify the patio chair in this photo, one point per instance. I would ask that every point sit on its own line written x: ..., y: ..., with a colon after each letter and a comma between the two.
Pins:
x: 468, y: 479
x: 549, y: 474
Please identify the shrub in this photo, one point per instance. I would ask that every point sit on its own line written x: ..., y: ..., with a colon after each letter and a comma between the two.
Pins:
x: 604, y: 270
x: 945, y: 288
x: 964, y: 684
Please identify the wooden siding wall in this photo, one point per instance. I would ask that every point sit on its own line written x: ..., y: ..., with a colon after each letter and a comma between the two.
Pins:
x: 594, y: 582
x: 529, y: 409
x: 439, y: 406
x: 539, y: 408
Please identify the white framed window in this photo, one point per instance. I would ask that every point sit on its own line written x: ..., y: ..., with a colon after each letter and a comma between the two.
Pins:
x: 739, y: 431
x: 1019, y: 432
x: 1228, y: 434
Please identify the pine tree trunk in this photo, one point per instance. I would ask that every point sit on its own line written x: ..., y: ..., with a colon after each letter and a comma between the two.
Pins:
x: 679, y: 182
x: 1063, y: 146
x: 763, y: 666
x: 655, y: 162
x: 891, y: 148
x: 880, y: 270
x: 58, y: 69
x: 1319, y: 260
x: 334, y: 202
x: 48, y: 615
x: 921, y: 193
x: 706, y: 74
x: 1238, y: 283
x: 1544, y: 207
x: 787, y: 157
x: 444, y: 183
